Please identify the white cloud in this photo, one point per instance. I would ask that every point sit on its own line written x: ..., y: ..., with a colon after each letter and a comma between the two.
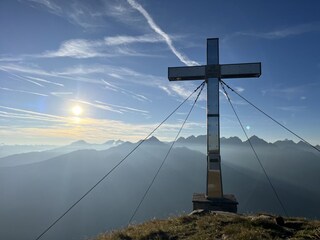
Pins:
x: 166, y: 89
x: 239, y: 89
x: 182, y: 90
x: 164, y: 35
x: 224, y: 94
x: 179, y: 90
x: 77, y: 48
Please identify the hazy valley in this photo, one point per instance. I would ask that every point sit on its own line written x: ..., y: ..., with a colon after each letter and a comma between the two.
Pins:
x: 37, y: 187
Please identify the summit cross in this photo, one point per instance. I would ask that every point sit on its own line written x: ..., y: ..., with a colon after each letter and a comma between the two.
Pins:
x: 212, y: 73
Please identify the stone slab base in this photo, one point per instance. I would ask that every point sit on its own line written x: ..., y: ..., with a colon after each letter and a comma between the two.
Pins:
x: 226, y: 204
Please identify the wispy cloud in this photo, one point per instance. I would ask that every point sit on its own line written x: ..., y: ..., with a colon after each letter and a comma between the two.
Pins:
x: 166, y: 89
x: 292, y: 108
x: 235, y: 102
x: 5, y: 58
x: 285, y: 32
x: 61, y: 128
x: 22, y: 91
x: 78, y: 48
x: 115, y: 88
x: 31, y: 79
x: 95, y: 74
x: 172, y: 89
x: 45, y: 81
x: 97, y: 105
x: 83, y: 73
x: 89, y: 14
x: 23, y: 78
x: 26, y: 114
x: 239, y: 89
x: 108, y: 47
x: 182, y: 90
x: 303, y: 98
x: 61, y: 93
x: 110, y: 107
x: 50, y: 5
x: 76, y: 12
x: 22, y: 69
x: 121, y: 40
x: 164, y: 35
x: 123, y: 108
x: 288, y: 93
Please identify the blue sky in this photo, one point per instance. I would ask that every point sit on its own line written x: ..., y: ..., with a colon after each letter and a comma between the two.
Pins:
x: 110, y: 58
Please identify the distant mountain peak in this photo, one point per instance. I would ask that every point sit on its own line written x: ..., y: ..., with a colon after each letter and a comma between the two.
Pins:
x: 117, y: 142
x: 231, y: 140
x: 113, y: 142
x: 109, y: 142
x: 79, y: 143
x: 153, y: 139
x: 301, y: 143
x: 201, y: 139
x: 256, y: 140
x: 192, y: 137
x: 285, y: 143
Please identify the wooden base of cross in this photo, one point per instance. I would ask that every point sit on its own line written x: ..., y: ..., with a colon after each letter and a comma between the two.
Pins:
x: 213, y: 72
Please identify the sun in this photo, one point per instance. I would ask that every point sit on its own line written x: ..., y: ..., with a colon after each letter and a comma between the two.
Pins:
x: 77, y: 110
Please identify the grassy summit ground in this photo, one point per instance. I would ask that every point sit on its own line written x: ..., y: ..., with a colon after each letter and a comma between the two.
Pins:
x: 218, y: 225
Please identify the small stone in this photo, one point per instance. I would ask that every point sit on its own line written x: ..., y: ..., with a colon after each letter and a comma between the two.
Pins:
x: 198, y: 212
x: 280, y: 221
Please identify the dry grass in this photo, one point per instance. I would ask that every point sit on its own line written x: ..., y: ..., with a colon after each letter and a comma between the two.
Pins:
x: 218, y: 226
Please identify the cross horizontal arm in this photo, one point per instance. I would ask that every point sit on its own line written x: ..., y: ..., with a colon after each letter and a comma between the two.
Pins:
x: 242, y: 70
x: 186, y: 73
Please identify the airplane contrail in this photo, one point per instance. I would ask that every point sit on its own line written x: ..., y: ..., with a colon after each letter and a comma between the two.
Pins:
x: 159, y: 31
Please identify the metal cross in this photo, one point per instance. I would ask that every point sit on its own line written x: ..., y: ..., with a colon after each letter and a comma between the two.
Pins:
x: 212, y: 73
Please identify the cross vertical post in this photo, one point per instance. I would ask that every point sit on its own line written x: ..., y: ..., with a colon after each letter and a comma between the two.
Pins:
x: 214, y: 198
x: 214, y: 179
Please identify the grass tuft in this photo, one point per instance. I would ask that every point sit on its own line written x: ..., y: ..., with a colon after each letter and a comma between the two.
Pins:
x: 217, y: 225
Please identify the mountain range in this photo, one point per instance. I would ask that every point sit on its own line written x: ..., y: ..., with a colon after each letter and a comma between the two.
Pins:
x: 37, y: 187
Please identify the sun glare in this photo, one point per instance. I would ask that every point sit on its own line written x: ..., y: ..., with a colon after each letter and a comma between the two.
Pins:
x: 77, y: 110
